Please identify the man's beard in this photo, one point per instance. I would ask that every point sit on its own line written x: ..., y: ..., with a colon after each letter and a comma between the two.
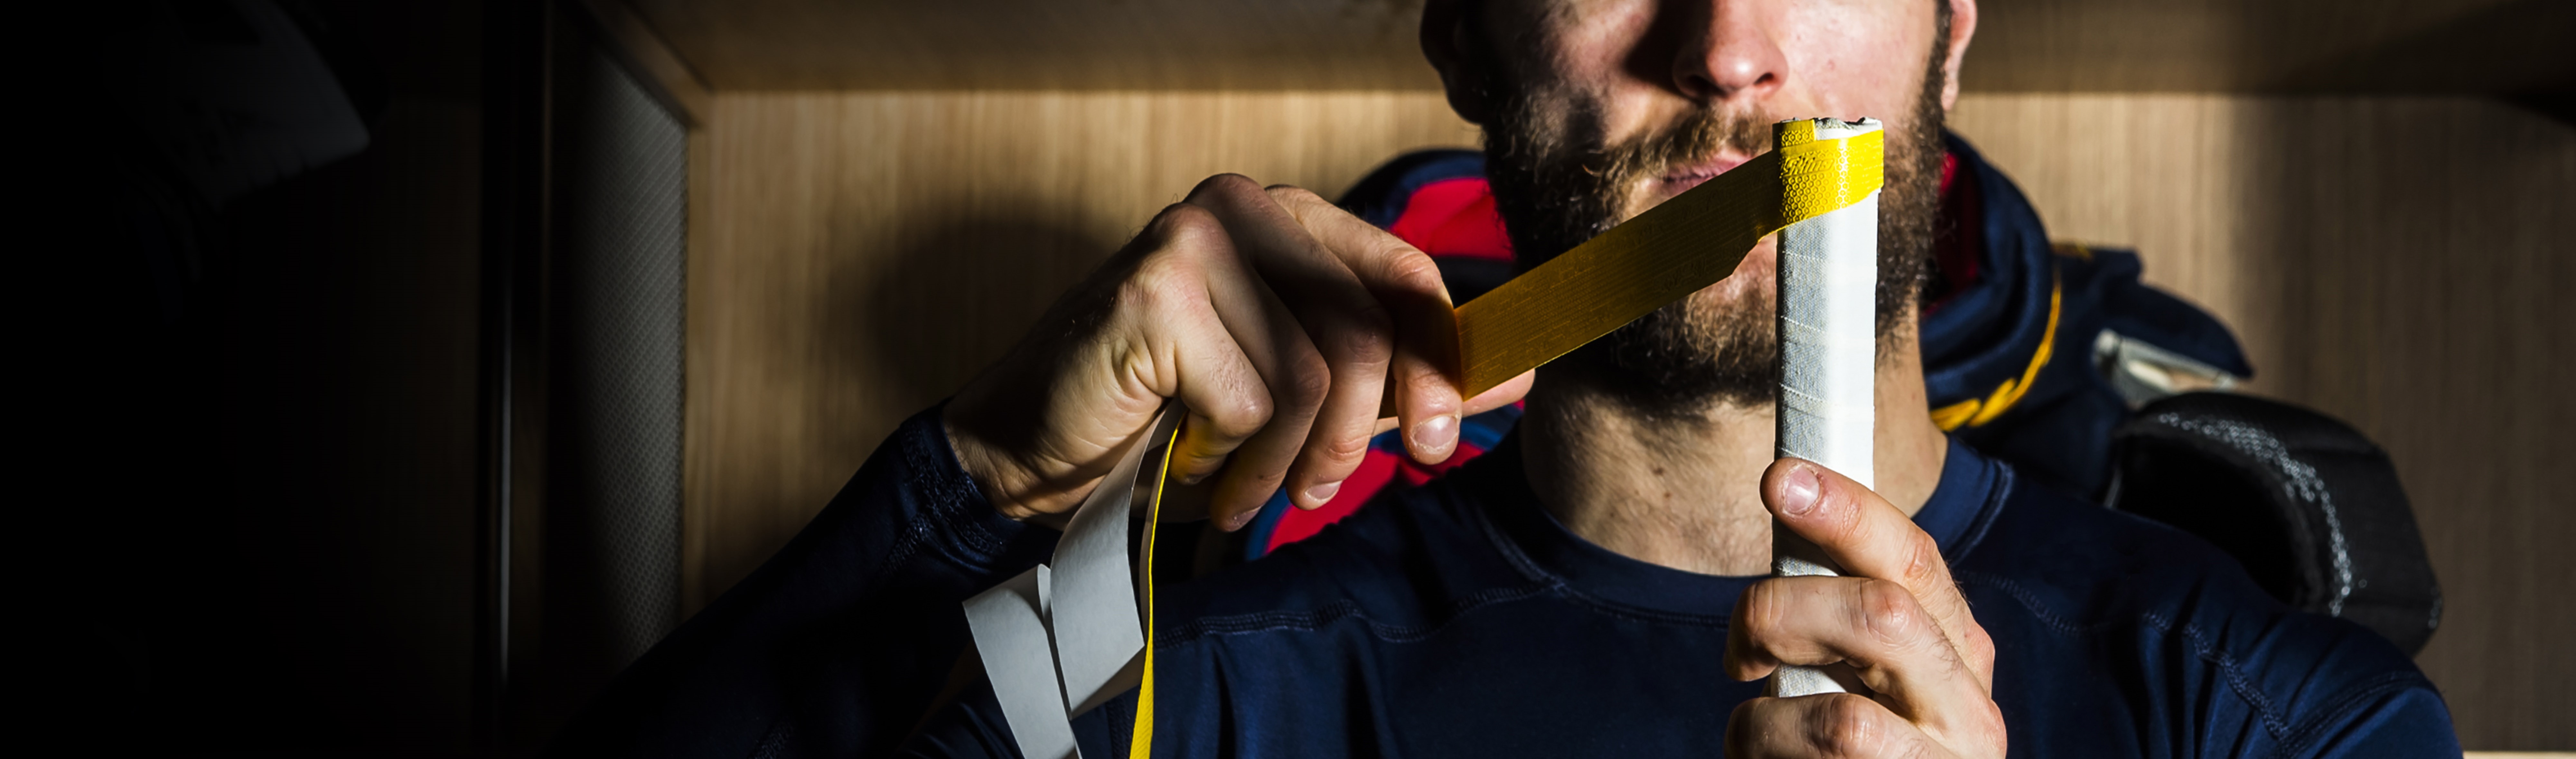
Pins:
x: 1557, y: 184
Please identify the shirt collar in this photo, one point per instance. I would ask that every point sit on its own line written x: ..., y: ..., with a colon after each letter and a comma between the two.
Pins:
x: 1971, y: 492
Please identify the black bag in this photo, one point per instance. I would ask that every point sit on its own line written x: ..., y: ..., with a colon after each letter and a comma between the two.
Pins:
x: 2309, y: 506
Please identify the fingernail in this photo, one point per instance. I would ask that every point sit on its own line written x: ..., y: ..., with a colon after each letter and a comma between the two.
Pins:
x: 1324, y: 492
x: 1798, y: 492
x: 1237, y: 521
x: 1436, y: 435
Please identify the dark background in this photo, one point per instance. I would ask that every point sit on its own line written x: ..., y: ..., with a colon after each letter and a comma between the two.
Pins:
x: 260, y: 419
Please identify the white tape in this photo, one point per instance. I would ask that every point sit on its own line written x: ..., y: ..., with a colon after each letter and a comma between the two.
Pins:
x: 1063, y: 638
x: 1828, y: 328
x: 1829, y: 338
x: 1099, y: 638
x: 1011, y: 637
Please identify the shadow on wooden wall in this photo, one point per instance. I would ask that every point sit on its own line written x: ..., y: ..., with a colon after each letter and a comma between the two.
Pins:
x: 954, y: 296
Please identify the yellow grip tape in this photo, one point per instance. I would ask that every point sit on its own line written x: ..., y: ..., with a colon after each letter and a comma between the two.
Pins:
x: 1661, y: 256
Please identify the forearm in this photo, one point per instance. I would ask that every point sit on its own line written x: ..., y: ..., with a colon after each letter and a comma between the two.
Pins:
x: 839, y: 642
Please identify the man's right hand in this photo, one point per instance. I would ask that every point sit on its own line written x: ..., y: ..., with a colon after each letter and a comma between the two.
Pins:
x: 1285, y: 325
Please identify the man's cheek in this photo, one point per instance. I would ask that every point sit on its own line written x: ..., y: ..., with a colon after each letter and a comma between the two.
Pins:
x: 1851, y: 65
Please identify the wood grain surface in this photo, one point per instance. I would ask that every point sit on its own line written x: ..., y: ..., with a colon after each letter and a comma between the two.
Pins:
x: 2022, y: 45
x: 2394, y: 262
x: 2400, y: 263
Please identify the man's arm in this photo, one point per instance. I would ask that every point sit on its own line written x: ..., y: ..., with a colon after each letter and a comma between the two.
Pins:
x: 1285, y: 324
x: 2407, y: 722
x: 838, y: 644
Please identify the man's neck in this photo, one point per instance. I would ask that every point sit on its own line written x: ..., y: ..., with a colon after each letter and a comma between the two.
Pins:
x: 1684, y: 492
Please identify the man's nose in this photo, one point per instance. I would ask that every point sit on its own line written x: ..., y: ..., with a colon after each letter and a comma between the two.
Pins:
x: 1728, y: 52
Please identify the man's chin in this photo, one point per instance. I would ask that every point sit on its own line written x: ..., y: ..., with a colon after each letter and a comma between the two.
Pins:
x: 1713, y: 349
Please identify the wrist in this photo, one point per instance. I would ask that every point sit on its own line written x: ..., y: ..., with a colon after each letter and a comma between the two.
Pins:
x: 1001, y: 480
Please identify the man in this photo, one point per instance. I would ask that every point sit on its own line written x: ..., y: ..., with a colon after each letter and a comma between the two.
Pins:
x: 1590, y: 586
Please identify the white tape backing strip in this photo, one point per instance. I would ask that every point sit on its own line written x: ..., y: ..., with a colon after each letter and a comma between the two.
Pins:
x: 1063, y: 638
x: 1099, y: 636
x: 1011, y: 636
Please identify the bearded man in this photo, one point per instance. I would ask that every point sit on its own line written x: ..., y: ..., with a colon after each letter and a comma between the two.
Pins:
x: 1590, y: 585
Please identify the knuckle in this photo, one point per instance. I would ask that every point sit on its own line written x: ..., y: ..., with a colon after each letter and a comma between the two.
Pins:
x: 1288, y: 194
x: 1309, y: 379
x: 1371, y: 342
x: 1246, y: 414
x: 1341, y: 450
x: 1846, y: 725
x: 1185, y: 231
x: 1428, y: 385
x: 1991, y: 732
x: 1228, y: 184
x: 1227, y: 181
x: 1923, y: 562
x: 1179, y: 222
x: 1889, y: 612
x: 1410, y: 267
x: 1760, y: 610
x: 1161, y: 283
x: 1237, y: 407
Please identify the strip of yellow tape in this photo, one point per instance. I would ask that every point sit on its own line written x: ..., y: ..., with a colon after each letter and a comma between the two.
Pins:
x: 1663, y: 255
x: 1140, y: 745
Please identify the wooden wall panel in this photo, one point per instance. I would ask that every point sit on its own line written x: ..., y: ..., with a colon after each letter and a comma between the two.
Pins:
x: 2399, y: 263
x: 857, y: 256
x: 2349, y: 46
x: 860, y: 256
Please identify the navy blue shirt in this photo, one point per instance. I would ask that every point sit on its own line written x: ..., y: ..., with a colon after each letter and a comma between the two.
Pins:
x: 1460, y: 619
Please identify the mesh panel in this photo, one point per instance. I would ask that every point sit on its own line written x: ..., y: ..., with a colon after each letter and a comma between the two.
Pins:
x: 619, y: 283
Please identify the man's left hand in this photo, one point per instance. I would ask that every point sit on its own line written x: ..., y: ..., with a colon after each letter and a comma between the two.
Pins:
x: 1895, y: 618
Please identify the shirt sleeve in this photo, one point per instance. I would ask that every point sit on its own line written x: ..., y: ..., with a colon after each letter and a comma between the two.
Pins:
x: 2406, y: 722
x: 840, y: 642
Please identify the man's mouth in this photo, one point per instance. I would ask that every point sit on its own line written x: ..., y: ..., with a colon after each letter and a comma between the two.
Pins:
x: 1679, y: 179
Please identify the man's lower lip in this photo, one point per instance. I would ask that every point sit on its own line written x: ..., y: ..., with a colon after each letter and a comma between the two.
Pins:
x: 1681, y: 183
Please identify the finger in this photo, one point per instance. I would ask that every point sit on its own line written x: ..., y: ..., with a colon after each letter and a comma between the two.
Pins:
x: 1257, y: 326
x: 1348, y: 328
x: 1508, y: 393
x: 1299, y: 380
x: 1423, y: 381
x: 1193, y: 353
x: 1829, y: 725
x: 1505, y: 394
x: 1868, y: 537
x: 1875, y: 626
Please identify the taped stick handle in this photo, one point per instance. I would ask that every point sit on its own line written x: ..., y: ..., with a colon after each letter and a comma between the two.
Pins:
x: 1828, y: 338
